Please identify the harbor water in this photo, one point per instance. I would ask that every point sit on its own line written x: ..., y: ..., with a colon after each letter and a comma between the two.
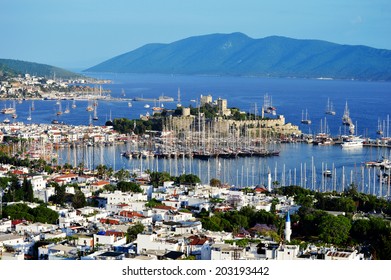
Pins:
x: 298, y: 163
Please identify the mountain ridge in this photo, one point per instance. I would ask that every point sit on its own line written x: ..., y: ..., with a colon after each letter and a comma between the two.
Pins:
x: 15, y: 67
x: 238, y: 54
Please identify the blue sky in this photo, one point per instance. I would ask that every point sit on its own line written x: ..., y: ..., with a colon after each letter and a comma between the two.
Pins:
x: 81, y: 33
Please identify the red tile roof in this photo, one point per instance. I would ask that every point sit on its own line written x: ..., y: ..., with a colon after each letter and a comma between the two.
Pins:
x: 130, y: 214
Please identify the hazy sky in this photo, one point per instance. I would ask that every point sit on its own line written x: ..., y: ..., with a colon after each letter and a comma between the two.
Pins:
x: 82, y: 33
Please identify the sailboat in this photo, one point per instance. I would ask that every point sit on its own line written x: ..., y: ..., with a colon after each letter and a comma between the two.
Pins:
x: 59, y: 112
x: 268, y: 108
x: 74, y: 104
x: 89, y: 106
x: 305, y: 120
x: 130, y: 104
x: 29, y: 117
x: 67, y: 109
x: 379, y: 127
x: 329, y: 108
x: 14, y: 115
x: 346, y: 120
x: 95, y: 118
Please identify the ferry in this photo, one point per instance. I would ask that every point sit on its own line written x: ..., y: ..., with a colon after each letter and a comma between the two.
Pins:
x: 353, y: 142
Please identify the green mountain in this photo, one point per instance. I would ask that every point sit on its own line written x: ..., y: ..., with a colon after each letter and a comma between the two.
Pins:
x: 13, y: 67
x: 238, y: 54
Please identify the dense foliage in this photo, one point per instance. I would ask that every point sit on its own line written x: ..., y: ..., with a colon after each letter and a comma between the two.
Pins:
x: 139, y: 127
x: 132, y: 232
x: 246, y: 217
x: 40, y: 214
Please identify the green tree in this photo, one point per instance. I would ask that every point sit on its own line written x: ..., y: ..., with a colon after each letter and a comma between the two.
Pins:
x: 132, y: 232
x: 334, y: 229
x: 43, y: 214
x: 158, y: 178
x: 27, y: 190
x: 18, y: 211
x: 101, y: 171
x: 215, y: 182
x: 78, y: 200
x: 59, y: 193
x: 152, y: 203
x: 188, y: 179
x: 129, y: 187
x: 122, y: 174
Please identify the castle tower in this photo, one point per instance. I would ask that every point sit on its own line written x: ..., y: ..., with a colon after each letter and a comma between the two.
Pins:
x: 288, y: 230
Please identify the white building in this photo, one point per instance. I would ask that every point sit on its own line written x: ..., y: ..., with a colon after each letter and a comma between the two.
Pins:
x: 118, y: 197
x: 226, y: 252
x: 38, y: 183
x: 5, y: 225
x: 110, y: 238
x: 11, y: 239
x: 151, y: 241
x: 341, y: 255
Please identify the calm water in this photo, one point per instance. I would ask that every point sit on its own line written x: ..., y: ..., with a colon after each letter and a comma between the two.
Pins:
x: 367, y: 101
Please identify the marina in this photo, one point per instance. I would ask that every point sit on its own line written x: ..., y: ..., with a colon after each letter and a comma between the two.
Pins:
x: 206, y: 152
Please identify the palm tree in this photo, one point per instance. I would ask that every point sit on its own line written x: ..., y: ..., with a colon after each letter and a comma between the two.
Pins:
x: 101, y: 171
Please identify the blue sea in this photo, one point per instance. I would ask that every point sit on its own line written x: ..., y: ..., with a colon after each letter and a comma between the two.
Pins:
x: 301, y: 164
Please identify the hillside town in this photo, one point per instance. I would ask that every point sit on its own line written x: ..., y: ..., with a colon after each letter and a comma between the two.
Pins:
x: 32, y: 87
x: 170, y: 229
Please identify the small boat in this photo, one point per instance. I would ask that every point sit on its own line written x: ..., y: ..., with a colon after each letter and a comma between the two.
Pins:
x: 29, y: 117
x: 305, y: 120
x: 9, y: 110
x: 379, y: 128
x: 90, y: 106
x: 54, y: 121
x: 327, y: 173
x: 59, y: 112
x: 74, y: 104
x: 268, y: 108
x: 14, y: 116
x: 146, y: 106
x: 67, y: 109
x: 329, y: 108
x: 6, y: 121
x: 129, y: 104
x: 95, y: 117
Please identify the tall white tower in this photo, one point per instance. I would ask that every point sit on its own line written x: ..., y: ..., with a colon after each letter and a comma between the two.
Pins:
x: 288, y: 230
